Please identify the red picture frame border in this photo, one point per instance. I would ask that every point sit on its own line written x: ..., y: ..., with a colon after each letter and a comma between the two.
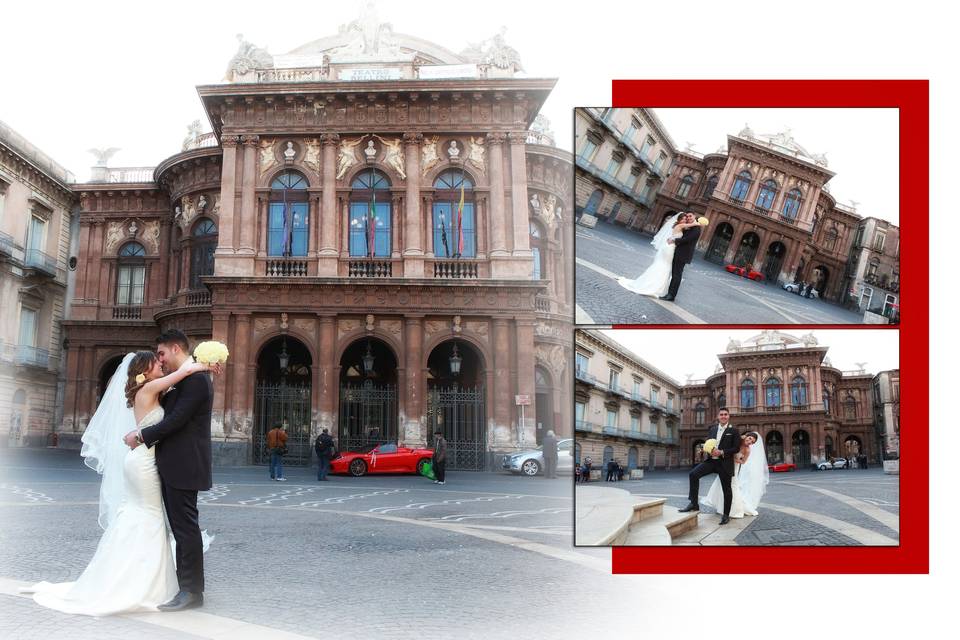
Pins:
x: 911, y: 97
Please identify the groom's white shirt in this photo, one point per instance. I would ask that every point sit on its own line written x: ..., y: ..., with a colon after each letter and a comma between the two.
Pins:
x: 720, y: 430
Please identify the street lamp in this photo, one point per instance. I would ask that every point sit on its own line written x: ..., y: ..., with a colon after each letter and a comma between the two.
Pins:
x: 368, y: 360
x: 284, y: 357
x: 455, y: 361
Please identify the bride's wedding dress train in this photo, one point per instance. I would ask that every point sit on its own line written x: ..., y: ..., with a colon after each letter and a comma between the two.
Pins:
x: 133, y: 568
x: 738, y: 507
x: 655, y: 281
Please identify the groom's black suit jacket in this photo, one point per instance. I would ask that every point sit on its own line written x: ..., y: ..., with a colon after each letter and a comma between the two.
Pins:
x: 182, y: 438
x: 729, y: 444
x: 686, y: 245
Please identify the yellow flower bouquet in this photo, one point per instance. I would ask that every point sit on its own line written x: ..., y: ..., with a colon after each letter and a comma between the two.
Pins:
x: 703, y: 221
x: 211, y: 352
x: 709, y: 446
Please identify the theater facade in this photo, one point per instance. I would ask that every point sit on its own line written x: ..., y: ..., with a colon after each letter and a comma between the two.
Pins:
x: 375, y: 226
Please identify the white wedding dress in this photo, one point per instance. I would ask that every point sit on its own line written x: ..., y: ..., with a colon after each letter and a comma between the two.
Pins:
x: 715, y: 497
x: 748, y: 485
x: 655, y: 281
x: 133, y: 568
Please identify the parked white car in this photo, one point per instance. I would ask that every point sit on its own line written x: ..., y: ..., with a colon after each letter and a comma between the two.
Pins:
x: 793, y: 287
x: 530, y: 463
x: 838, y: 463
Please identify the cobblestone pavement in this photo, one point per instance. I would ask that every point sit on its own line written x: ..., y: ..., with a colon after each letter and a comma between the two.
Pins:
x: 708, y: 293
x: 804, y: 507
x: 380, y: 556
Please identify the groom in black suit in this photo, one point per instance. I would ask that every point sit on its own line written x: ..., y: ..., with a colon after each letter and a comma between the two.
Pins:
x: 721, y: 462
x: 682, y: 255
x: 183, y: 460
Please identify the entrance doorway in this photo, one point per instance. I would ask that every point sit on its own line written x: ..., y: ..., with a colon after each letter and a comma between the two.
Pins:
x: 456, y: 403
x: 368, y: 395
x: 282, y: 397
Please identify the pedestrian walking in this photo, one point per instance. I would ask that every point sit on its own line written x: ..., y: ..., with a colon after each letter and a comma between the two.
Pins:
x: 325, y: 451
x: 611, y: 470
x: 277, y: 444
x: 439, y: 457
x: 550, y: 455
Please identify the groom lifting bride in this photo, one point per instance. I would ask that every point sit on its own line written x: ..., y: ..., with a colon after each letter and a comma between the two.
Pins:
x: 720, y: 462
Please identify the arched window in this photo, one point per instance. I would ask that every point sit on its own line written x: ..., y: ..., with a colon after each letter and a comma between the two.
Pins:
x: 741, y: 186
x: 535, y: 248
x: 700, y: 414
x: 791, y: 204
x: 771, y: 392
x: 633, y: 457
x: 370, y: 215
x: 454, y: 226
x: 710, y: 186
x: 768, y: 191
x: 685, y: 185
x: 607, y: 455
x: 748, y: 394
x: 798, y: 392
x: 830, y: 240
x: 850, y: 408
x: 201, y: 254
x: 593, y: 203
x: 289, y: 215
x: 130, y: 274
x: 721, y: 400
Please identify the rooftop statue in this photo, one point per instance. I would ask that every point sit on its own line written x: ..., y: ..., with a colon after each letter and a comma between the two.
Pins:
x: 494, y: 52
x: 103, y: 155
x: 371, y: 40
x: 246, y: 61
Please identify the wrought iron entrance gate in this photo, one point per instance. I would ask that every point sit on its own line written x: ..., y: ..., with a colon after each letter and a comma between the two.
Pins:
x: 368, y: 415
x: 289, y: 404
x: 460, y: 414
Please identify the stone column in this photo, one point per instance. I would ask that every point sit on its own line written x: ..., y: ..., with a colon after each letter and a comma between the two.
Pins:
x: 327, y: 384
x: 502, y: 402
x: 314, y: 223
x: 428, y: 202
x: 518, y: 196
x: 240, y: 399
x: 228, y: 187
x: 248, y: 201
x: 525, y: 363
x: 413, y: 247
x: 395, y: 203
x: 84, y: 273
x: 221, y: 332
x: 498, y: 221
x: 328, y: 213
x: 415, y: 386
x: 104, y: 297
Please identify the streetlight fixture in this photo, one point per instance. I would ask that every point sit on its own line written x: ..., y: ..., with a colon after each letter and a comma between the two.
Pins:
x: 368, y: 360
x: 284, y: 357
x: 455, y: 361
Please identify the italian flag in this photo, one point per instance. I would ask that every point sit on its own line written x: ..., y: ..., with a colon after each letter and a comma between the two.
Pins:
x: 460, y: 221
x: 372, y: 223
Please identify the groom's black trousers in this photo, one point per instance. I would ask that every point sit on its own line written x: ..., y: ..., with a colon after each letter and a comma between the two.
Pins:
x: 678, y: 266
x: 706, y: 468
x: 181, y: 506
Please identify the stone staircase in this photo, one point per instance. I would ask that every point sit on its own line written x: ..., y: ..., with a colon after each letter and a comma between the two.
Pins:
x: 607, y: 516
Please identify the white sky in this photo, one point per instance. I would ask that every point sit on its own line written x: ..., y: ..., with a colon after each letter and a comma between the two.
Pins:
x: 678, y: 352
x: 862, y: 146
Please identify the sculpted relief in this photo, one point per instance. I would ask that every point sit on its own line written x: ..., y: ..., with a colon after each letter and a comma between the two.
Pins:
x: 267, y: 157
x: 347, y: 156
x: 475, y: 154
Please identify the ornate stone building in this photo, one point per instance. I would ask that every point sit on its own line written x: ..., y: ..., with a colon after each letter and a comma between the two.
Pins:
x: 873, y: 269
x: 625, y: 408
x: 786, y: 389
x: 886, y: 412
x: 622, y: 159
x: 373, y: 226
x: 35, y: 221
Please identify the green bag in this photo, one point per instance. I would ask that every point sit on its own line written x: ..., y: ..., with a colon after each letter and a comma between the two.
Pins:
x: 427, y: 470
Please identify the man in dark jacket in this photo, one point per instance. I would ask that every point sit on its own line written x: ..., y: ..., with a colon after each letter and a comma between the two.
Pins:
x: 550, y: 455
x: 324, y: 448
x: 439, y: 457
x: 611, y: 470
x: 183, y: 459
x: 720, y: 462
x: 682, y: 255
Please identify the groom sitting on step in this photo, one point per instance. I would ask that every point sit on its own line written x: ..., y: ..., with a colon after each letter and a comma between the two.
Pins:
x: 720, y: 462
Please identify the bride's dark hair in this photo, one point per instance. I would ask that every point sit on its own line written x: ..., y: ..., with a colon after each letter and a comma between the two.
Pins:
x: 142, y: 363
x: 756, y: 436
x: 679, y: 219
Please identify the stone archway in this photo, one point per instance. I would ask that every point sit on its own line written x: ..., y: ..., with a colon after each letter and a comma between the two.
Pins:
x: 747, y: 250
x: 852, y: 447
x: 106, y: 372
x: 282, y: 396
x: 456, y: 403
x: 774, y: 445
x: 544, y: 392
x: 719, y: 243
x: 821, y: 278
x: 368, y: 413
x: 800, y: 442
x: 773, y: 263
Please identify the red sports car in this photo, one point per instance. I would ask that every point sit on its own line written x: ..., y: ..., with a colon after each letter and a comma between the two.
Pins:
x: 745, y: 272
x: 782, y: 466
x: 383, y: 458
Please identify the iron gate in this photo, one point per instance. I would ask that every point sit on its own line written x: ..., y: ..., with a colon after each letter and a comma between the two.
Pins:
x: 368, y: 415
x: 277, y: 403
x: 460, y: 414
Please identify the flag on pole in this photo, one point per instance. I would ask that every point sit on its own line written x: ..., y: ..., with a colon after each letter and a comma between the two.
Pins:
x: 460, y: 221
x: 372, y: 219
x: 443, y: 237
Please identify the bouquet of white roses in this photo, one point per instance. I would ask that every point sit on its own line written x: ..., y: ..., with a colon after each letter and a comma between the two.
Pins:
x: 211, y: 352
x: 709, y: 446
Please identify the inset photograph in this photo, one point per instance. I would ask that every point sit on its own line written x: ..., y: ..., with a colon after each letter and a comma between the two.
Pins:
x: 737, y: 216
x: 754, y: 438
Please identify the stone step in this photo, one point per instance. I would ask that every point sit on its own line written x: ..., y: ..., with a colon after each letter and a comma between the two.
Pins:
x: 710, y: 533
x: 661, y: 529
x: 604, y: 514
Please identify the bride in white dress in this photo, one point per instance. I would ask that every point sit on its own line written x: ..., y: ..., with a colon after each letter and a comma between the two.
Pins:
x: 749, y: 482
x: 133, y: 567
x: 656, y: 279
